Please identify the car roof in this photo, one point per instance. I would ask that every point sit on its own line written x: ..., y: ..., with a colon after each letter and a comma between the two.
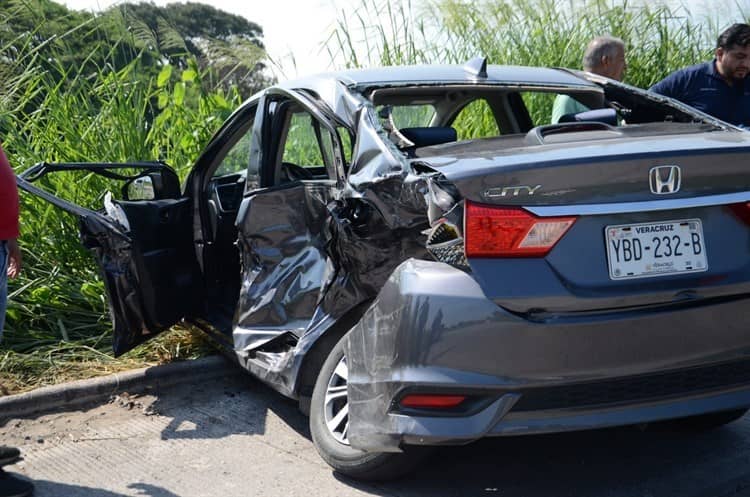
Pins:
x: 446, y: 74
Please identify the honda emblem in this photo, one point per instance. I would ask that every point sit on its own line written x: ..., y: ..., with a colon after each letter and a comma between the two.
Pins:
x: 664, y: 179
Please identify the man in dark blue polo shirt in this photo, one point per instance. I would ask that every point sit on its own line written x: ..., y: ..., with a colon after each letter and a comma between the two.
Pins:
x: 719, y: 87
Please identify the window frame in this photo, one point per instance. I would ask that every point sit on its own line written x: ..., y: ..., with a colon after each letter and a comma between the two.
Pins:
x: 272, y: 130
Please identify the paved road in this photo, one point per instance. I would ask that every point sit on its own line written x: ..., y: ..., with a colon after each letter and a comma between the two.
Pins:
x: 238, y: 438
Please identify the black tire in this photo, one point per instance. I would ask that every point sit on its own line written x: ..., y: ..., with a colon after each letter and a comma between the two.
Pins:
x: 357, y: 464
x: 704, y: 422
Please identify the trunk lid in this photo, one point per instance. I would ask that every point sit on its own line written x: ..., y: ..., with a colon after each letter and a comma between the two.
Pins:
x: 606, y: 184
x: 586, y: 168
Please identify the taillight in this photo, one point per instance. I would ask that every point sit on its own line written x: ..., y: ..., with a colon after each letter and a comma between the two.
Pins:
x: 742, y: 211
x: 491, y: 231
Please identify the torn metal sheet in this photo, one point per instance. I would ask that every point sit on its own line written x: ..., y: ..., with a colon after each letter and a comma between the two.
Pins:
x: 313, y: 253
x: 306, y: 268
x: 118, y: 261
x: 282, y: 241
x: 414, y: 322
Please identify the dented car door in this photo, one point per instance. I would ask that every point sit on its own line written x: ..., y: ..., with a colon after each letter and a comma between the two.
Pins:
x: 281, y: 228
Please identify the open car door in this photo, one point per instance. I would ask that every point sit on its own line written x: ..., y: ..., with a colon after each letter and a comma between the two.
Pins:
x: 142, y: 243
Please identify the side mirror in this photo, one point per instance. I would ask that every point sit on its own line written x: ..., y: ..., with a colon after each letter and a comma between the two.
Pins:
x: 152, y: 186
x: 141, y: 188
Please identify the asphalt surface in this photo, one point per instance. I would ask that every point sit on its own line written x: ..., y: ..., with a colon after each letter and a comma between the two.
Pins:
x: 233, y: 436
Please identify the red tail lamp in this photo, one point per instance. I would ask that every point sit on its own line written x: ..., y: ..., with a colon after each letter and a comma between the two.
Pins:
x: 492, y: 231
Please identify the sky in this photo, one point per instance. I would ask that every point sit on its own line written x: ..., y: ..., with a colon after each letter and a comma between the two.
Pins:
x: 296, y: 30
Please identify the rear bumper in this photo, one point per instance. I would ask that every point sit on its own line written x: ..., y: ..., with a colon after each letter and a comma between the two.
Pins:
x: 432, y: 329
x: 496, y: 420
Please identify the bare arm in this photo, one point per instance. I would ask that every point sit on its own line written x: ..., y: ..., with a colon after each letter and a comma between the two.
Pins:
x: 14, y: 258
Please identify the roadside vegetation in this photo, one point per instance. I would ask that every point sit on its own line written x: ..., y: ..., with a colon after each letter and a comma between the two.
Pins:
x: 659, y: 38
x: 113, y: 88
x: 146, y: 83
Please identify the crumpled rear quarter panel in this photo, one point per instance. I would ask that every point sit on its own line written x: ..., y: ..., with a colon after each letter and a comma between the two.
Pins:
x: 431, y: 327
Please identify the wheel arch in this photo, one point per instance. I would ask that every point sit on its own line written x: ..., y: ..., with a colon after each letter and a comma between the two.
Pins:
x: 316, y: 356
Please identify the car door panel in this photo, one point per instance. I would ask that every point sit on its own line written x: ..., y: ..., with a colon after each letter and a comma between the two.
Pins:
x: 163, y: 248
x: 285, y: 262
x: 149, y: 267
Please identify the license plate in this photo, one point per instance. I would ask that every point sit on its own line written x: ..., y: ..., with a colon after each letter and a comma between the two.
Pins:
x: 646, y: 250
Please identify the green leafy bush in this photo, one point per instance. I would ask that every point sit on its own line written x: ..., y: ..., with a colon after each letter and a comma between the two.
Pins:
x: 57, y: 319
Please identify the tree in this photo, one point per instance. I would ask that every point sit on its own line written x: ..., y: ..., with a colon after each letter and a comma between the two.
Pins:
x: 230, y: 47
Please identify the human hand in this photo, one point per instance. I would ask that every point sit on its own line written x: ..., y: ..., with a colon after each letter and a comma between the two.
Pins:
x: 14, y: 259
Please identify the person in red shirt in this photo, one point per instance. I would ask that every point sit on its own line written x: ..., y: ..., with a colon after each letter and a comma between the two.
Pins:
x: 10, y: 266
x: 10, y: 254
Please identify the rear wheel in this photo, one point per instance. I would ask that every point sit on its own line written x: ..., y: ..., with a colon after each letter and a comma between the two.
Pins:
x: 329, y: 425
x: 705, y: 422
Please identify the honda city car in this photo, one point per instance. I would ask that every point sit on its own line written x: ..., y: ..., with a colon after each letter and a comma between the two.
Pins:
x: 420, y: 257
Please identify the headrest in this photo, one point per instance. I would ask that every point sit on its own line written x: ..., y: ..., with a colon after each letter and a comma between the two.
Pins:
x: 606, y: 116
x: 426, y: 136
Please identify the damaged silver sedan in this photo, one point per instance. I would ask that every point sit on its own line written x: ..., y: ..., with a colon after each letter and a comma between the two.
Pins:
x: 420, y: 257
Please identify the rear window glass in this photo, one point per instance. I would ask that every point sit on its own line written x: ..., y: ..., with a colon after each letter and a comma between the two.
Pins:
x: 346, y: 143
x: 539, y: 105
x: 475, y: 121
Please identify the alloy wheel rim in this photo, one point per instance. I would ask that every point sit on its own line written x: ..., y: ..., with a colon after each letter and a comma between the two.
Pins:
x: 336, y: 403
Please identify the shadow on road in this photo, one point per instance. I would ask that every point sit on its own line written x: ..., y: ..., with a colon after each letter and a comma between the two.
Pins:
x: 237, y: 405
x: 44, y: 487
x: 617, y: 462
x: 620, y: 462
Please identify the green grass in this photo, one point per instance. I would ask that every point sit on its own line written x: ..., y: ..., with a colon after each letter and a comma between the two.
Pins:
x: 48, y: 361
x: 58, y: 325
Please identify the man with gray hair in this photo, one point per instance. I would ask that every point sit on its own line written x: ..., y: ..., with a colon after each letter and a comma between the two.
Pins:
x: 605, y: 56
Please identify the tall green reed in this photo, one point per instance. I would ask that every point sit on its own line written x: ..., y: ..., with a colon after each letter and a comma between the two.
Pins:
x: 659, y: 38
x: 57, y: 314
